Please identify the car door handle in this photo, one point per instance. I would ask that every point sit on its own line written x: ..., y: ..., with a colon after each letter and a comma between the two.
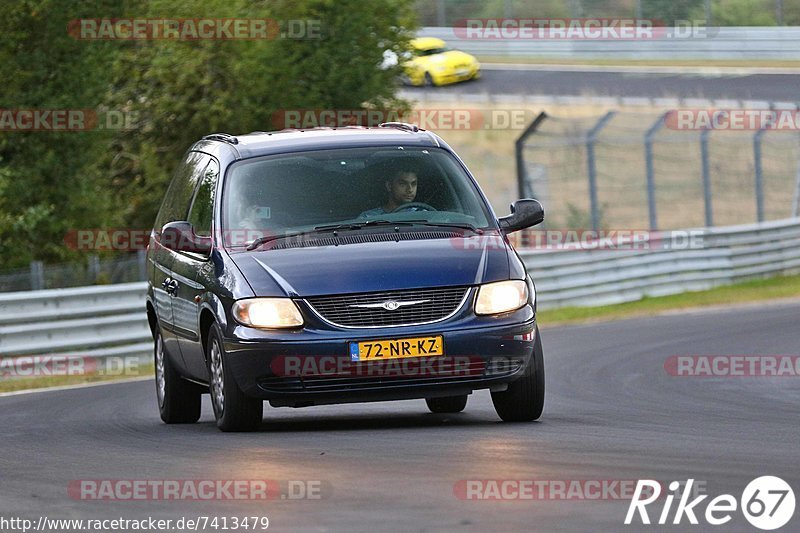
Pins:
x: 172, y: 287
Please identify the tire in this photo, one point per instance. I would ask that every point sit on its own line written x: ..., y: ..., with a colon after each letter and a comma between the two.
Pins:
x: 178, y: 400
x: 449, y: 404
x: 233, y: 410
x: 523, y: 401
x: 427, y: 80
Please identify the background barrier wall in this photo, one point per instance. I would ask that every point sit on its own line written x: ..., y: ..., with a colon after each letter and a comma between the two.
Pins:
x: 717, y: 44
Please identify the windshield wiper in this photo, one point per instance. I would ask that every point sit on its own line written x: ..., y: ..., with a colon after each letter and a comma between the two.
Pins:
x: 462, y: 225
x: 365, y: 224
x: 267, y: 238
x: 322, y: 229
x: 359, y: 225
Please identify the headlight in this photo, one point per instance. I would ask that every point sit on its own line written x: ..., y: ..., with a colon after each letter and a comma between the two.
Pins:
x: 501, y: 297
x: 267, y: 313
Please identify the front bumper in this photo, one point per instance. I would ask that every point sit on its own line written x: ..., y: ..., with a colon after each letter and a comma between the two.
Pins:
x: 313, y: 367
x: 455, y: 76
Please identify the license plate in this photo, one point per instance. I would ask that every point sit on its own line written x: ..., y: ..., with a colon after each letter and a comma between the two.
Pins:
x: 462, y: 72
x: 396, y: 348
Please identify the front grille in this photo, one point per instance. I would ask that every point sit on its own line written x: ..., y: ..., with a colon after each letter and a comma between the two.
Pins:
x: 437, y: 304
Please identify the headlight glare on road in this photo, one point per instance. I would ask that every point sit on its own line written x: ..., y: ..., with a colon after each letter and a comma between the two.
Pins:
x: 268, y: 313
x: 501, y: 297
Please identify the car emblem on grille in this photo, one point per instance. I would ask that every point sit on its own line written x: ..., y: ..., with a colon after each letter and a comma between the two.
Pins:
x: 390, y: 305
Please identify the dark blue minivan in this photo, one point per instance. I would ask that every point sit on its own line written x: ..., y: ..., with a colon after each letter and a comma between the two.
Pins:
x: 335, y: 265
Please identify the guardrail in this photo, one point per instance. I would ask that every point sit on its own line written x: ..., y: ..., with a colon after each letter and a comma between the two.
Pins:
x: 110, y: 320
x: 725, y: 255
x: 717, y: 43
x: 98, y: 321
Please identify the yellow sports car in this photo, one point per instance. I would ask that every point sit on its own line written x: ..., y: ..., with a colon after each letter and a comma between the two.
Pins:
x: 432, y: 63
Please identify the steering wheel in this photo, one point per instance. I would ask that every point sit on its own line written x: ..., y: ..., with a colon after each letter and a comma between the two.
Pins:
x: 421, y: 205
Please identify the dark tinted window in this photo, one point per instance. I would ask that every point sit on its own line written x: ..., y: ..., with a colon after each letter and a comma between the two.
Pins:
x: 179, y: 194
x: 202, y: 211
x: 299, y: 191
x: 432, y: 51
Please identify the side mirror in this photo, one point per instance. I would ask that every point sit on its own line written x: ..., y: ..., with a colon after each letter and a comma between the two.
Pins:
x: 180, y: 236
x: 524, y: 214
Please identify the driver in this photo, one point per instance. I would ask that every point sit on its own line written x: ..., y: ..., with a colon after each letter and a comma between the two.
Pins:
x: 401, y: 188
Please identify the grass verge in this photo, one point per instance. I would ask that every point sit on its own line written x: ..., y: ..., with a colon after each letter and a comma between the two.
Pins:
x: 749, y: 291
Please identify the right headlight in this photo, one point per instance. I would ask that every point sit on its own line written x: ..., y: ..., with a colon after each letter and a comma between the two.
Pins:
x: 501, y: 297
x: 267, y: 313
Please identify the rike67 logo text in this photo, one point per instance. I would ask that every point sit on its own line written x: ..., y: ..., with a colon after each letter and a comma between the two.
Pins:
x: 767, y: 503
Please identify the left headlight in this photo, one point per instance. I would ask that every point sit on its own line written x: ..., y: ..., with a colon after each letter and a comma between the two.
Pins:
x: 267, y: 313
x: 501, y: 297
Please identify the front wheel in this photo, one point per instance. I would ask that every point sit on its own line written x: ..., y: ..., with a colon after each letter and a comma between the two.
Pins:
x: 232, y: 409
x: 523, y: 401
x: 449, y: 404
x: 178, y: 400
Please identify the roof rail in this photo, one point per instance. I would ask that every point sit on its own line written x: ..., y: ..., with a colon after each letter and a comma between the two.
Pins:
x: 224, y: 137
x: 400, y: 125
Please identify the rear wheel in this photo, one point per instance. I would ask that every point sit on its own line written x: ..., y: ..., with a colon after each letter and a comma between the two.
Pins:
x: 178, y: 400
x: 449, y: 404
x: 232, y: 409
x: 523, y: 401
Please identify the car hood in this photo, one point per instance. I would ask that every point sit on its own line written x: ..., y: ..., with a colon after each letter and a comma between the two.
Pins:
x: 376, y: 266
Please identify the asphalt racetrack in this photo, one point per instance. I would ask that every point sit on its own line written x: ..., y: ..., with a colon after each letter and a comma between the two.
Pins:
x: 612, y: 413
x: 667, y: 83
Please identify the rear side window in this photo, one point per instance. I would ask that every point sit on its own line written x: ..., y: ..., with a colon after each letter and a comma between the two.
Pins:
x: 202, y: 211
x: 176, y: 202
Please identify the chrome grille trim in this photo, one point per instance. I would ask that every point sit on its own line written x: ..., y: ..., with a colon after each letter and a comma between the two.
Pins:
x: 468, y: 291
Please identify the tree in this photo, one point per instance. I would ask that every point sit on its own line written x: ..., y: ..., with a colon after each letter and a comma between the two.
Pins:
x: 45, y: 190
x: 52, y: 182
x: 183, y: 90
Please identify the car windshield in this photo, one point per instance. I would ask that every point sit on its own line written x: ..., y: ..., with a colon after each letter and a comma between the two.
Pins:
x: 432, y: 51
x: 309, y: 192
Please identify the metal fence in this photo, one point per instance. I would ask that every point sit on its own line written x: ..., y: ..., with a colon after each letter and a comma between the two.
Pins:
x: 626, y: 170
x: 93, y: 271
